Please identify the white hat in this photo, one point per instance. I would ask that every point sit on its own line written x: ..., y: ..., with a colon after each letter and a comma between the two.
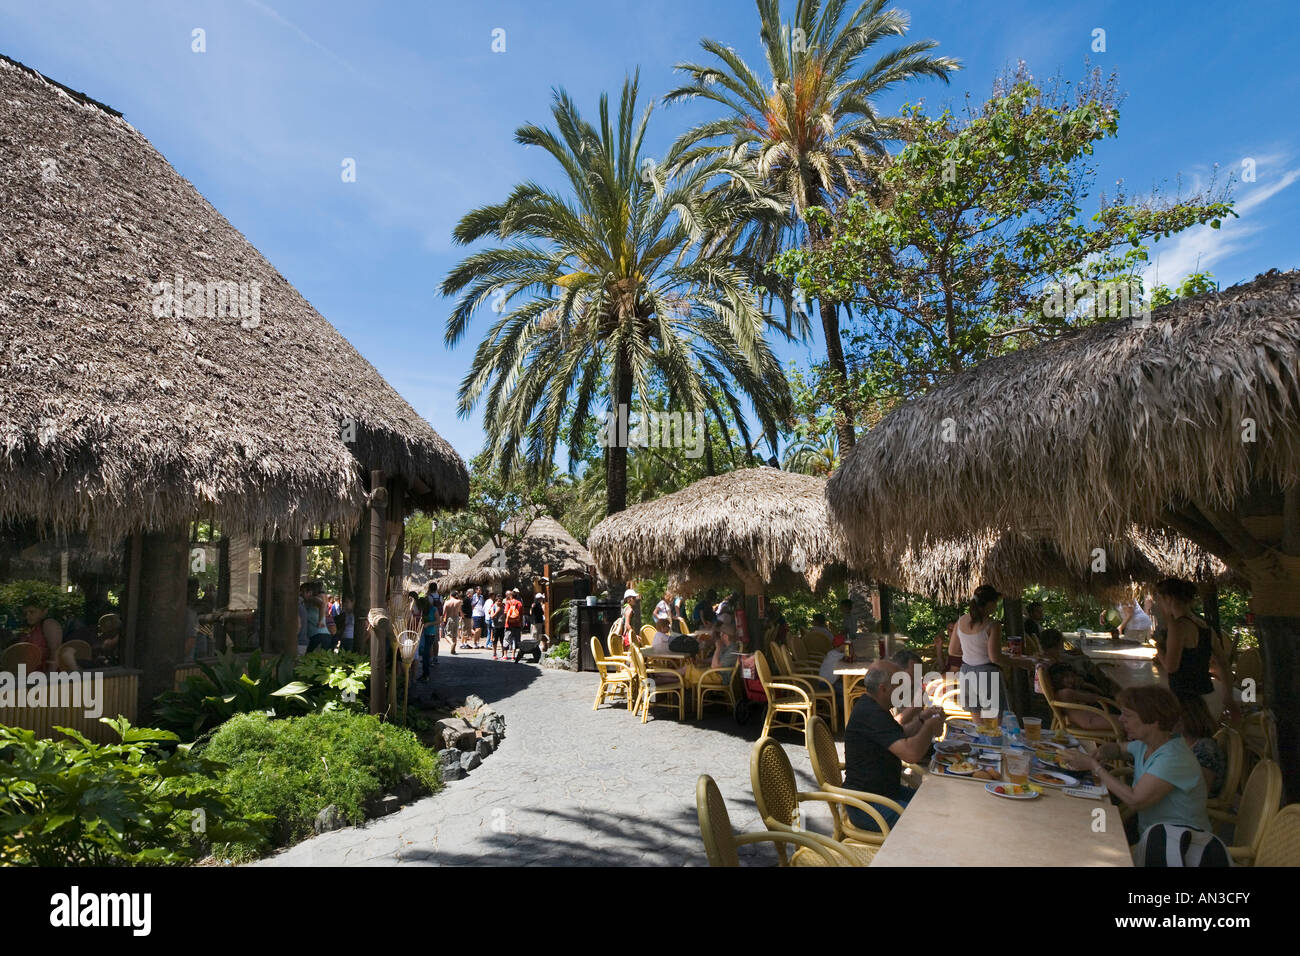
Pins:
x: 538, y: 596
x: 630, y: 592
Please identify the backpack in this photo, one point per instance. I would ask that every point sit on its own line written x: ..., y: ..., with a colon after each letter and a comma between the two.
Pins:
x: 513, y: 612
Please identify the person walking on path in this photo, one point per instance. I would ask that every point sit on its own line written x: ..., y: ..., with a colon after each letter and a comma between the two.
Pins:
x: 512, y: 616
x: 477, y: 618
x: 451, y: 620
x: 537, y: 618
x: 499, y: 625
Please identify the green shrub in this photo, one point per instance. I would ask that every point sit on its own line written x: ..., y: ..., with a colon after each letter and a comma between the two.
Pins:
x: 61, y: 604
x: 560, y: 650
x: 230, y: 687
x: 292, y: 769
x: 335, y: 680
x: 76, y: 803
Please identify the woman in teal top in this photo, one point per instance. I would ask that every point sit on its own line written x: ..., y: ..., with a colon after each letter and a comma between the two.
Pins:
x: 1168, y: 786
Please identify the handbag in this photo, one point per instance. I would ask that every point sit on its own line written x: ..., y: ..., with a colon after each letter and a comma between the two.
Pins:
x: 683, y: 644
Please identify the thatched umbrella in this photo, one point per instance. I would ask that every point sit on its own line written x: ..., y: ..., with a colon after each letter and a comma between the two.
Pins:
x: 126, y: 407
x: 1190, y: 421
x: 762, y: 527
x: 951, y: 570
x: 523, y: 558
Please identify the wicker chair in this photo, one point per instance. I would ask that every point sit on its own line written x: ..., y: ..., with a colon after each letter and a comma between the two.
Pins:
x: 653, y: 682
x: 720, y: 841
x: 1280, y: 845
x: 828, y: 770
x: 1229, y: 742
x: 25, y: 653
x: 1259, y: 804
x: 614, y: 677
x: 1061, y: 711
x: 788, y: 704
x: 647, y: 634
x: 819, y: 688
x: 798, y: 650
x: 724, y: 690
x: 74, y: 653
x: 817, y: 644
x: 777, y: 796
x: 1259, y: 735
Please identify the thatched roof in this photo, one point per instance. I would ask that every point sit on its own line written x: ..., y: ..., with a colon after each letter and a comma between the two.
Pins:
x: 117, y: 418
x: 1078, y: 438
x: 771, y: 520
x: 951, y: 570
x: 543, y: 542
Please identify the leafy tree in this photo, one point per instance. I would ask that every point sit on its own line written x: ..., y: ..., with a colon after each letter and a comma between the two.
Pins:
x: 1194, y: 284
x: 800, y: 134
x: 600, y: 286
x: 948, y: 256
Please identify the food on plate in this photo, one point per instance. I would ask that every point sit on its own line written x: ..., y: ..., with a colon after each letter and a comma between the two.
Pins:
x: 964, y: 766
x: 986, y: 774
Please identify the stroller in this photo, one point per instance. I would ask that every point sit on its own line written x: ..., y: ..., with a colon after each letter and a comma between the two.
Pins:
x: 752, y: 686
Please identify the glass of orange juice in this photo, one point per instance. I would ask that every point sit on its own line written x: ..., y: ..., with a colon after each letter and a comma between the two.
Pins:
x: 1018, y: 765
x: 1033, y: 728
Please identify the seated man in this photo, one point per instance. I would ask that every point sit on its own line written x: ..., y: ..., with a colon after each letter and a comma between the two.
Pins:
x: 875, y: 744
x: 726, y: 650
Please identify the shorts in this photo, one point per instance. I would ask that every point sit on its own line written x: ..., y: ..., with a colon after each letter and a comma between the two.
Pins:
x: 478, y: 622
x: 453, y: 628
x: 512, y: 637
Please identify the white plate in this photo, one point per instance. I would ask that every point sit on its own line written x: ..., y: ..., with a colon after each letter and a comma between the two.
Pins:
x: 990, y: 787
x: 960, y: 773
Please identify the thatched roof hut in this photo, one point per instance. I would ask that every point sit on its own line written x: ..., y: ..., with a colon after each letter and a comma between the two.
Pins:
x: 1166, y: 423
x: 128, y: 407
x: 1189, y: 421
x: 523, y: 557
x: 950, y: 571
x: 766, y: 527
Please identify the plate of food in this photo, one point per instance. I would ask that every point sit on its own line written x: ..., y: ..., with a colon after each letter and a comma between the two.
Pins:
x: 952, y: 747
x: 986, y: 773
x: 963, y: 768
x: 1012, y: 791
x: 1049, y: 778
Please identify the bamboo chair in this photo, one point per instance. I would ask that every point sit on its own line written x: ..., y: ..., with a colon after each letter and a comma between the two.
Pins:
x: 1259, y: 804
x: 817, y: 644
x: 1234, y: 752
x: 614, y: 677
x: 617, y: 652
x: 828, y: 770
x: 798, y: 650
x: 25, y: 653
x: 73, y: 653
x: 614, y: 635
x: 647, y: 634
x: 653, y: 682
x: 1061, y: 711
x: 1259, y: 735
x: 683, y: 627
x: 785, y: 701
x: 720, y: 841
x: 725, y: 690
x: 777, y: 796
x: 1280, y: 845
x: 819, y: 688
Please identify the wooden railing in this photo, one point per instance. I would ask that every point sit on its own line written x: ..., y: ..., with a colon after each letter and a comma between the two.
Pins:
x: 116, y: 692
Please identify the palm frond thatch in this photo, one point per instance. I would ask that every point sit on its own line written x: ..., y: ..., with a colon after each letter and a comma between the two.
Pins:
x: 1125, y: 421
x: 543, y: 542
x: 776, y: 522
x: 117, y: 418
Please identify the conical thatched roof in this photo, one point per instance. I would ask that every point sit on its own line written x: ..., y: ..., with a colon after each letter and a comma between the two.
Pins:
x: 115, y: 417
x: 544, y: 542
x: 951, y: 570
x: 1121, y: 422
x: 775, y: 522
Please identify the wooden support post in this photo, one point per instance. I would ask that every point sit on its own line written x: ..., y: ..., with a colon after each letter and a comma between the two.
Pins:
x: 1015, y: 615
x: 885, y: 619
x: 160, y: 619
x: 281, y: 570
x: 546, y: 623
x: 372, y: 579
x: 134, y: 550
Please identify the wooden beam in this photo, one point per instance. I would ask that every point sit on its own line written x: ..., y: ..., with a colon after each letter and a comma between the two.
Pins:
x: 160, y: 637
x: 133, y: 548
x: 1291, y: 521
x: 1233, y: 531
x: 374, y: 559
x: 1195, y: 530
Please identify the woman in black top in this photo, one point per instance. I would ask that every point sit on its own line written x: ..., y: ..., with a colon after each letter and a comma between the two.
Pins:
x: 1188, y: 646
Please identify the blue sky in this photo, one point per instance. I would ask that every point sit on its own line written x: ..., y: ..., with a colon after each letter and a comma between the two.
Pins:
x: 287, y: 89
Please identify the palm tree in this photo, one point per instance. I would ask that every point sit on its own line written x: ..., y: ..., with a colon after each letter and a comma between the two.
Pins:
x: 803, y: 135
x: 817, y: 454
x: 608, y: 289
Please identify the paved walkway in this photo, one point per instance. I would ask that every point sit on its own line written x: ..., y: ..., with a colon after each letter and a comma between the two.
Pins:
x: 568, y: 786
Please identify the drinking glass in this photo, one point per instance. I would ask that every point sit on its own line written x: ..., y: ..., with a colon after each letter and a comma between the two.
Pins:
x: 1018, y: 765
x: 1033, y: 728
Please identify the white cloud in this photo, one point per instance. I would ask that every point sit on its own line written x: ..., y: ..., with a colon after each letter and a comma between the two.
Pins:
x: 1199, y: 248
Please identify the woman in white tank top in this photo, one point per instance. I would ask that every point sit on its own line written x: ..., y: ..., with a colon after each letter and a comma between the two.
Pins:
x: 978, y: 639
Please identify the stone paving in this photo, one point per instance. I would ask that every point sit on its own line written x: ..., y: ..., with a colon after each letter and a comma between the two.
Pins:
x: 568, y: 786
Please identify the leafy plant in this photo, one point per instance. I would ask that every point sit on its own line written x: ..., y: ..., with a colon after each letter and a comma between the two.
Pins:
x: 291, y: 769
x: 335, y: 680
x: 61, y: 604
x: 72, y: 802
x: 230, y: 687
x: 560, y: 650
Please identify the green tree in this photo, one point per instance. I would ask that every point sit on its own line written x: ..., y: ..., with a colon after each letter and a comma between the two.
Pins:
x: 600, y: 286
x: 801, y: 134
x: 953, y: 253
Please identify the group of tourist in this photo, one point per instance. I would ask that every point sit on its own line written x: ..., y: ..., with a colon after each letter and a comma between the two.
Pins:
x: 48, y: 645
x: 467, y: 620
x: 1176, y: 763
x: 325, y: 622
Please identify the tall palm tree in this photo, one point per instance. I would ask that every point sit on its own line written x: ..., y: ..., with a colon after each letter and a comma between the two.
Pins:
x: 608, y: 288
x: 816, y: 454
x: 802, y: 134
